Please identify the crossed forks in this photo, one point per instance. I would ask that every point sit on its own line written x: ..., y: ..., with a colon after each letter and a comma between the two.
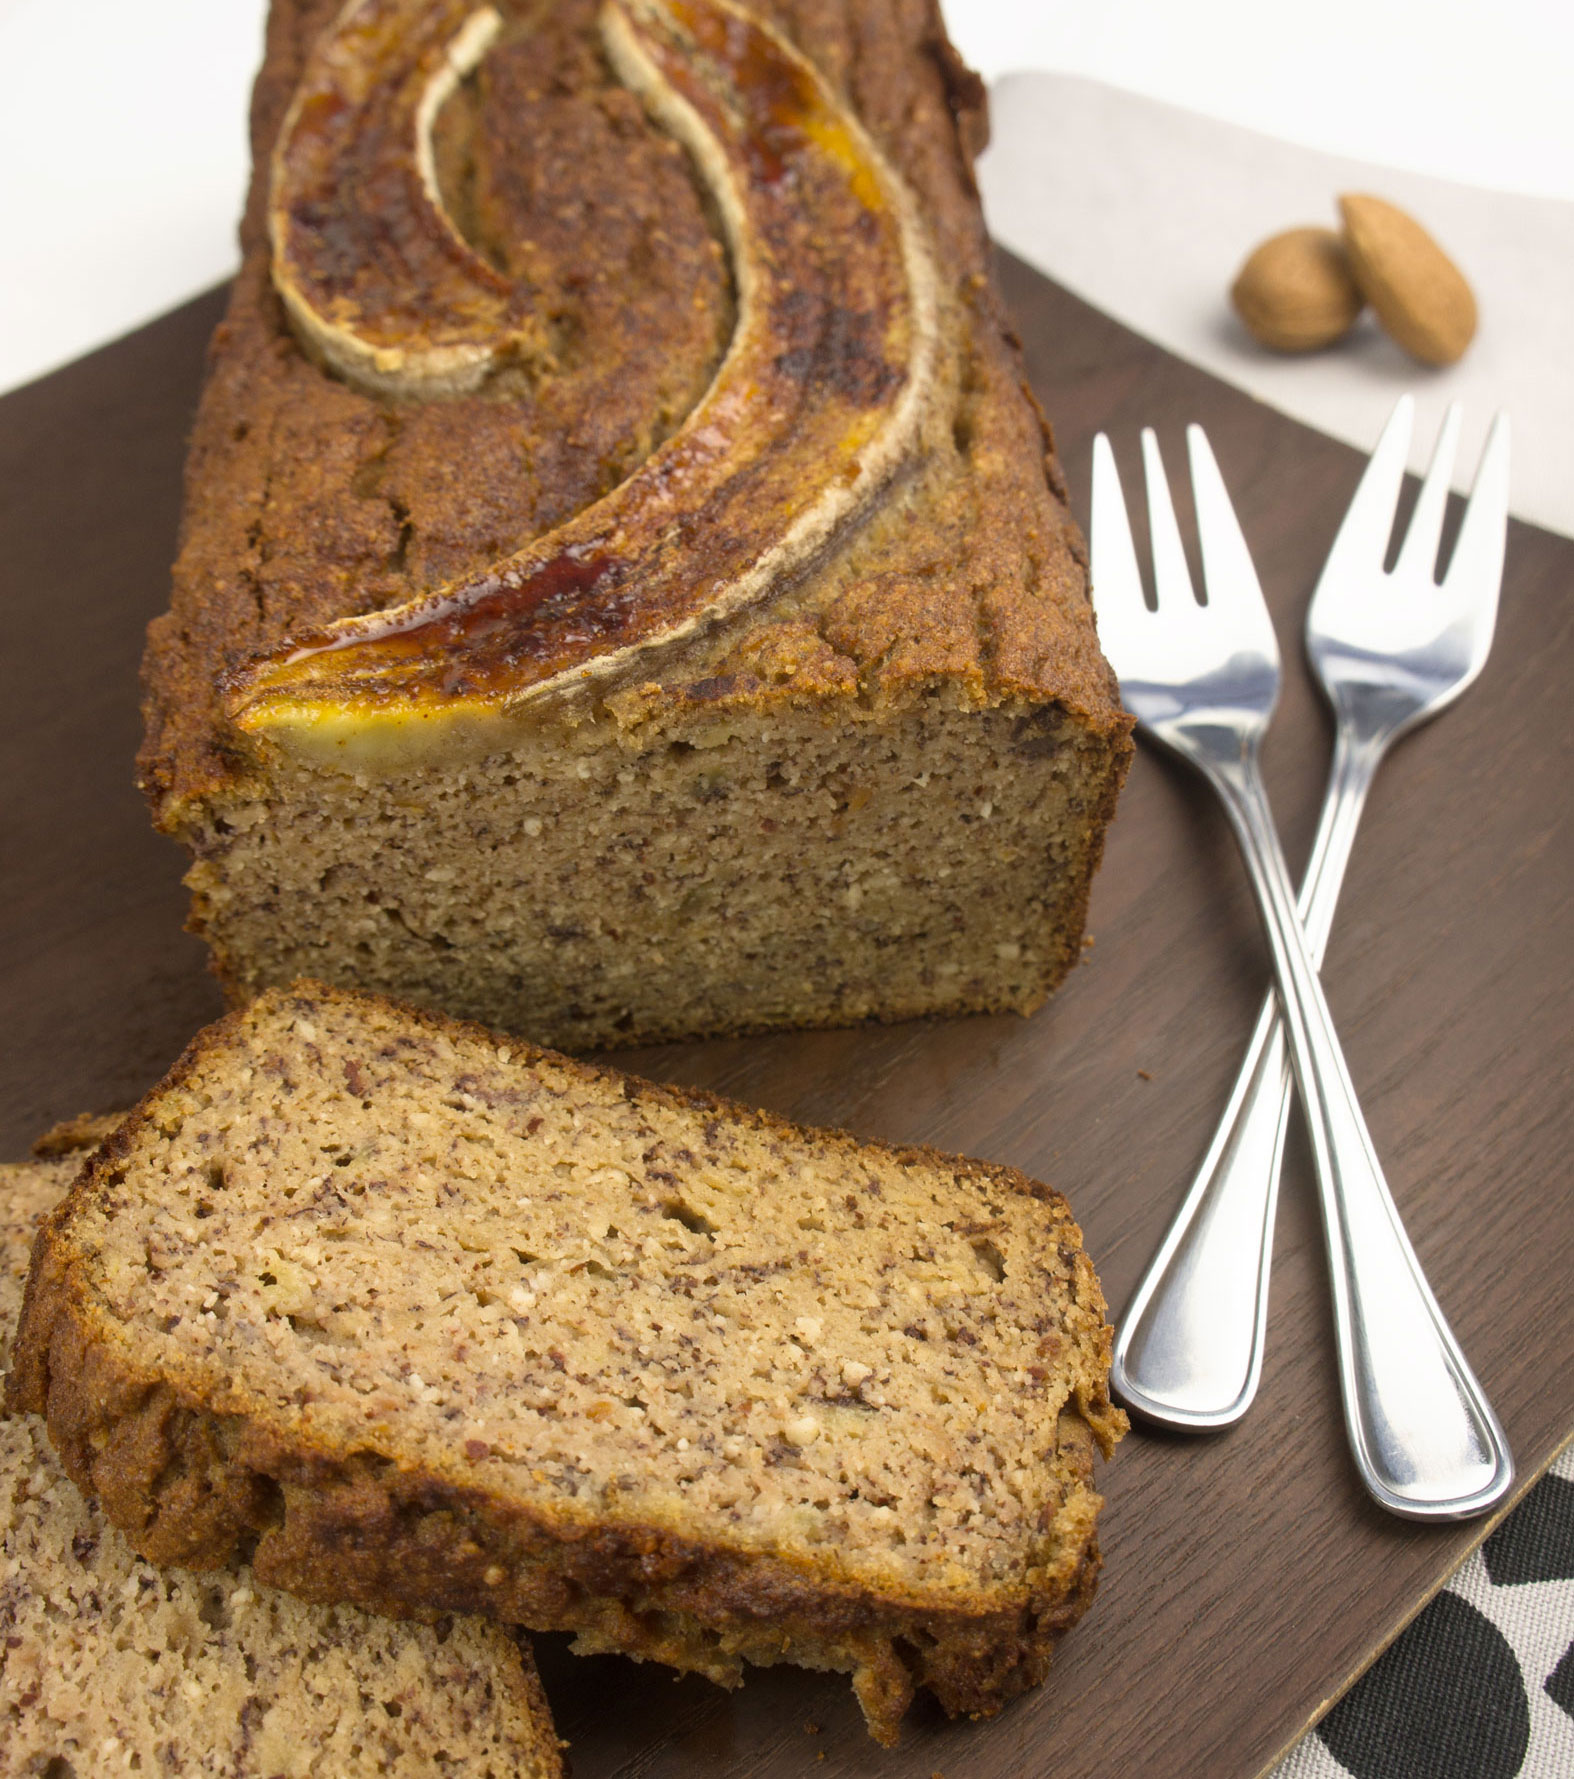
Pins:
x: 1390, y: 649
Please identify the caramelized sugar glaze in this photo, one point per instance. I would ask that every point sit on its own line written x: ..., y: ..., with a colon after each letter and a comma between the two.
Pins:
x: 817, y: 404
x: 370, y: 266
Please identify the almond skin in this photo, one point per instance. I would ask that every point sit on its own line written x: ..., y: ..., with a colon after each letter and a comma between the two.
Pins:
x: 1295, y: 292
x: 1420, y: 295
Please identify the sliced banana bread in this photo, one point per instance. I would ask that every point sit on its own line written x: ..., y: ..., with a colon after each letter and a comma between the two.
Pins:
x: 626, y: 588
x: 440, y: 1322
x: 109, y: 1665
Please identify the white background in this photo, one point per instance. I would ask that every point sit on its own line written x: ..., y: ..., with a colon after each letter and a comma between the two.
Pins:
x: 122, y: 122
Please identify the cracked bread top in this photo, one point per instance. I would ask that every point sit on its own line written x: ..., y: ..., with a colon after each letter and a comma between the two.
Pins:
x: 308, y: 501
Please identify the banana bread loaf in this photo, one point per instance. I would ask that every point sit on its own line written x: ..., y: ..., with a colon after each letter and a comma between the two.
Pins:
x: 444, y: 1323
x: 109, y: 1665
x: 626, y: 589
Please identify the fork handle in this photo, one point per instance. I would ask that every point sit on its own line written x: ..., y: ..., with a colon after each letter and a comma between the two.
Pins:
x: 1189, y: 1350
x: 1424, y: 1436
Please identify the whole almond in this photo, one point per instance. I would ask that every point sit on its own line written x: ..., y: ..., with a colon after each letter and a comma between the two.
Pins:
x: 1419, y: 294
x: 1295, y: 292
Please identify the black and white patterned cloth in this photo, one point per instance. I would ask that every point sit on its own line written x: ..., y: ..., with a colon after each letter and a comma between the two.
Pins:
x: 1481, y: 1684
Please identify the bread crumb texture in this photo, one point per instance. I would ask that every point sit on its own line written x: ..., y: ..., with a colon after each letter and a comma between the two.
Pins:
x: 436, y: 1322
x: 108, y: 1665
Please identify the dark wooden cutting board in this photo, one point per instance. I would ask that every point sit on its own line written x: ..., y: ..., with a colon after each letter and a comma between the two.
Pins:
x: 1248, y: 1578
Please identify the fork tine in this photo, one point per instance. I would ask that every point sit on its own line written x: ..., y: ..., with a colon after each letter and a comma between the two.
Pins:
x: 1171, y: 576
x: 1476, y: 570
x: 1227, y: 569
x: 1363, y: 537
x: 1117, y: 581
x: 1419, y: 555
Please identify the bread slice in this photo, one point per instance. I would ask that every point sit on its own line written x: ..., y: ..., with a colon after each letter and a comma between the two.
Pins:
x: 839, y: 746
x: 438, y: 1322
x: 109, y: 1665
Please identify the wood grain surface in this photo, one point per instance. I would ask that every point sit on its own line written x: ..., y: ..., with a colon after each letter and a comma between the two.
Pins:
x: 1248, y: 1578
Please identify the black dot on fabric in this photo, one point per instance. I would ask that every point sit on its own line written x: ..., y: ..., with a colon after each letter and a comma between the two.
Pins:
x: 1536, y: 1541
x: 1445, y: 1701
x: 1560, y: 1682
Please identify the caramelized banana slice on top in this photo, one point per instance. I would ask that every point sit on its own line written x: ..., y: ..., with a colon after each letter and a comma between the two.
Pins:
x: 823, y: 394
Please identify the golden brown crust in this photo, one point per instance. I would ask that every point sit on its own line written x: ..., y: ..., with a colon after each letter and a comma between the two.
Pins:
x: 307, y: 501
x: 828, y: 388
x: 193, y: 1484
x: 192, y: 1487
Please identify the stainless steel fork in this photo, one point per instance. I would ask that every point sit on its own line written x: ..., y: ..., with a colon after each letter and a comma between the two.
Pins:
x: 1391, y: 650
x: 1203, y: 680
